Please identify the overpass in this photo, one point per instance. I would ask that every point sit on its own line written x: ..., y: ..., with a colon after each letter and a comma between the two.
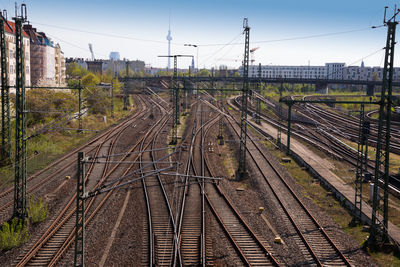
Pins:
x: 263, y: 80
x: 320, y: 83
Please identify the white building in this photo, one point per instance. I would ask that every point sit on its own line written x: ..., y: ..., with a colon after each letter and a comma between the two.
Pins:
x: 270, y: 71
x: 337, y: 71
x: 47, y: 59
x: 11, y: 53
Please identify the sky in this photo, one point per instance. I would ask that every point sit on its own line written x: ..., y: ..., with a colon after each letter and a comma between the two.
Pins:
x: 287, y: 32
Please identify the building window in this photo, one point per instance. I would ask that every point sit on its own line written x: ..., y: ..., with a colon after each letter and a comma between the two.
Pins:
x: 11, y: 69
x: 11, y: 54
x: 27, y: 69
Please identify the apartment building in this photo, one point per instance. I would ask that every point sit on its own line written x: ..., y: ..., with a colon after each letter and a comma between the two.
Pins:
x: 11, y: 53
x: 337, y: 71
x: 47, y: 59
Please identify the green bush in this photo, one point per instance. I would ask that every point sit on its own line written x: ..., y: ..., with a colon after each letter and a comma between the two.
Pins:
x: 37, y: 210
x: 39, y: 101
x: 14, y: 234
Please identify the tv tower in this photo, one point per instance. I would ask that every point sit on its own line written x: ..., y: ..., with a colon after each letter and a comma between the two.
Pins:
x: 169, y: 38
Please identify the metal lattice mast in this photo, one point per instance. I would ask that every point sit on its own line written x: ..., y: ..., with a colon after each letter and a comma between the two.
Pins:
x: 126, y: 99
x: 113, y: 82
x: 79, y: 256
x: 220, y: 136
x: 242, y: 172
x: 175, y: 89
x: 258, y: 102
x: 175, y: 95
x: 279, y: 136
x: 20, y: 121
x: 362, y: 164
x: 380, y: 229
x: 212, y: 81
x: 80, y: 127
x: 5, y: 99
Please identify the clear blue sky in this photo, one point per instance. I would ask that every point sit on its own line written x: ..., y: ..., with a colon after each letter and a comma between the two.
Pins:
x: 216, y: 22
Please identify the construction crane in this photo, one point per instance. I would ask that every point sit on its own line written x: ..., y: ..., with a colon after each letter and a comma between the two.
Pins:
x: 252, y: 54
x: 91, y: 51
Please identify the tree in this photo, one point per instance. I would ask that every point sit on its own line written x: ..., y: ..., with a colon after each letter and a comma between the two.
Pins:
x: 98, y: 101
x: 74, y: 70
x: 90, y: 80
x: 236, y: 74
x: 41, y: 100
x: 204, y: 73
x: 164, y: 73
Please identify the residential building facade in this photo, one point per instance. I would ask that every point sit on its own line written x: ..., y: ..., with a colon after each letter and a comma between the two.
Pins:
x: 337, y: 71
x: 47, y: 59
x: 119, y: 66
x: 11, y: 53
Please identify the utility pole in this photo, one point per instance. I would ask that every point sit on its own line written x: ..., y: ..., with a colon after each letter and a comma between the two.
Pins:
x: 175, y: 92
x: 126, y: 99
x: 212, y: 81
x: 20, y: 120
x: 289, y: 128
x: 258, y: 102
x: 241, y: 173
x: 379, y: 230
x: 5, y: 97
x: 279, y: 137
x: 362, y: 166
x: 79, y: 256
x: 113, y: 82
x: 220, y: 136
x: 80, y: 107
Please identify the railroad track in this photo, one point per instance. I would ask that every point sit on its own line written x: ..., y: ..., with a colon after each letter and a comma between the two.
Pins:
x: 161, y: 248
x: 317, y: 247
x: 37, y: 181
x: 49, y: 248
x: 346, y: 127
x: 340, y: 125
x: 192, y: 226
x: 329, y: 144
x: 251, y: 249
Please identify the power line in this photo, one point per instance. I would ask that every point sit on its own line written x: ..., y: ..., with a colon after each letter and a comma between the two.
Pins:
x: 297, y: 38
x: 216, y: 44
x: 220, y: 49
x: 104, y: 34
x: 74, y: 45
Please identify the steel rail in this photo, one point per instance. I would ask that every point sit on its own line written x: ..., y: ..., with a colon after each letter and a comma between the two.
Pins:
x: 109, y: 133
x: 71, y: 237
x: 63, y: 216
x: 279, y: 175
x: 241, y: 252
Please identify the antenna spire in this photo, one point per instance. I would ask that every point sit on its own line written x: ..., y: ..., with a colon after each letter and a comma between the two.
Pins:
x: 169, y: 38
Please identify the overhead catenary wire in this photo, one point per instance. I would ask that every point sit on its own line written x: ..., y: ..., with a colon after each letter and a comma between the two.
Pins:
x: 104, y: 34
x: 220, y: 49
x: 296, y: 38
x: 55, y: 124
x: 138, y: 170
x: 130, y: 153
x: 128, y: 162
x: 104, y: 190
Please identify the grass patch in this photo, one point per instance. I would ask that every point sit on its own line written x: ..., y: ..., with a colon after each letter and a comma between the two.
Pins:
x: 37, y: 210
x: 13, y: 234
x: 394, y: 159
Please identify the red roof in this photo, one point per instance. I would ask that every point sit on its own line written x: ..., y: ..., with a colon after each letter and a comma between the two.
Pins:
x: 12, y: 29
